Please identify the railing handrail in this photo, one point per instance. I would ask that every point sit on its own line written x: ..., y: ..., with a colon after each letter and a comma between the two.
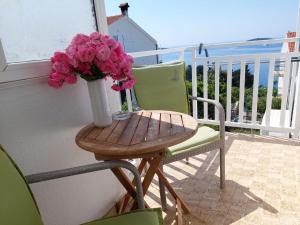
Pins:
x: 249, y: 56
x: 250, y: 43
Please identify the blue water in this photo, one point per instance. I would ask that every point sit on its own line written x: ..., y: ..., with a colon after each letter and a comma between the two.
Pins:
x: 264, y: 67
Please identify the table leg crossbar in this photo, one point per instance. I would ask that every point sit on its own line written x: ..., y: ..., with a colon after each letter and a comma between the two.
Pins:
x: 154, y: 168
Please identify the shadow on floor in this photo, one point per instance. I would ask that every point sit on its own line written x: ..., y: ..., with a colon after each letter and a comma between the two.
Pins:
x: 200, y: 189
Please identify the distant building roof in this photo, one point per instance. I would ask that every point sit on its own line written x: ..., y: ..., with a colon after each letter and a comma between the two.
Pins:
x: 124, y: 14
x: 291, y: 44
x: 112, y: 19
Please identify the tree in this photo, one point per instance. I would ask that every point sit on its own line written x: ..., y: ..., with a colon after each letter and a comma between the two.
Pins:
x: 235, y: 90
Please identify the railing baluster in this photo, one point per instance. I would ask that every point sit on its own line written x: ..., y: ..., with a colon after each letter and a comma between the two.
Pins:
x: 181, y: 55
x: 217, y: 87
x: 255, y: 90
x: 3, y: 63
x: 129, y: 100
x: 194, y: 83
x: 270, y: 91
x: 242, y: 91
x: 287, y: 71
x: 296, y: 114
x: 205, y: 88
x: 294, y: 66
x: 229, y: 83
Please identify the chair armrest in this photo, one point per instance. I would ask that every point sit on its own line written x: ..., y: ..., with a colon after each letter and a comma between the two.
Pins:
x: 39, y: 177
x: 220, y: 109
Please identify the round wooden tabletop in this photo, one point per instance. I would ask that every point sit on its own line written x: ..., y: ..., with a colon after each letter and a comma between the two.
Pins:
x: 145, y: 133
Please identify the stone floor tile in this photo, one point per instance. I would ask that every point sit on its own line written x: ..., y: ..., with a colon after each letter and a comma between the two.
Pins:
x: 262, y: 184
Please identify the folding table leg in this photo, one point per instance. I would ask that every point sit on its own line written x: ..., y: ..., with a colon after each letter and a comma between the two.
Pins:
x: 162, y: 192
x: 127, y: 197
x: 172, y: 191
x: 124, y: 180
x: 179, y: 212
x: 154, y: 166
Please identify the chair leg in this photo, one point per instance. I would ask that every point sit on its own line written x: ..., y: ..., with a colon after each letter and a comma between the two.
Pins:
x: 187, y: 160
x: 222, y: 167
x: 162, y: 192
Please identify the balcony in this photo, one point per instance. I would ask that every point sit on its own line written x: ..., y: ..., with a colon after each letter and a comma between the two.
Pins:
x: 262, y: 170
x: 38, y: 126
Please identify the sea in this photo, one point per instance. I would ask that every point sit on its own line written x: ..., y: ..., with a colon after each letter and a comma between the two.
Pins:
x: 255, y: 49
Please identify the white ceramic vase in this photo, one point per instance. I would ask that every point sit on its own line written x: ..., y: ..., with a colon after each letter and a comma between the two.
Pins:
x: 99, y: 102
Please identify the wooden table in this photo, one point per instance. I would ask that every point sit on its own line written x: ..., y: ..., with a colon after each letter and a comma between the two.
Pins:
x: 145, y: 135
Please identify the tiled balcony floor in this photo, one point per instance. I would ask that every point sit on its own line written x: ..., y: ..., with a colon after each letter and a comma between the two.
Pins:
x: 262, y: 184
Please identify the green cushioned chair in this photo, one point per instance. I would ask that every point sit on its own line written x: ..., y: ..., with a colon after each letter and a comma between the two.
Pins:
x: 162, y: 87
x: 18, y: 207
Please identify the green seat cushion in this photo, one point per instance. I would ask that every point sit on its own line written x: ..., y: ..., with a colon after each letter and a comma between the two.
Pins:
x: 17, y: 206
x: 203, y: 136
x: 161, y: 87
x: 138, y: 217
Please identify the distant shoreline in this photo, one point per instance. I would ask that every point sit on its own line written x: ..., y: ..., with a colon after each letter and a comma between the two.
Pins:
x: 259, y: 39
x: 252, y: 39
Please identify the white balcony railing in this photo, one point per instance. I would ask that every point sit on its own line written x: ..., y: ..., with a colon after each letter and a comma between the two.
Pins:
x: 289, y: 117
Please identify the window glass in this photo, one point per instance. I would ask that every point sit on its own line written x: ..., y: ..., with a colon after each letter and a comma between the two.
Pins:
x: 34, y: 29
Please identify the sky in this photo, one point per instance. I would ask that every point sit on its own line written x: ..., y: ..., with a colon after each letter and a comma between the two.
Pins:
x: 181, y: 23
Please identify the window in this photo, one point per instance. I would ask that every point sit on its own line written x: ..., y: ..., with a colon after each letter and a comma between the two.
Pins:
x: 34, y: 29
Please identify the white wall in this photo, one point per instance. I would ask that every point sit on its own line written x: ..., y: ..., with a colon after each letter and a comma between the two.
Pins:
x: 133, y: 39
x: 37, y: 127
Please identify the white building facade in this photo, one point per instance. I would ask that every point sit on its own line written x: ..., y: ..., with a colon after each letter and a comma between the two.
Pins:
x: 132, y: 36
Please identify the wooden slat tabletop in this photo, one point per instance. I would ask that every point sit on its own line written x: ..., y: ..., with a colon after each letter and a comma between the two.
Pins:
x: 144, y: 133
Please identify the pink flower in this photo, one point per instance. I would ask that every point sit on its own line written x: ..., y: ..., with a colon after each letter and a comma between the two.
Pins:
x: 60, y: 63
x: 61, y: 67
x: 95, y: 36
x: 112, y: 43
x: 119, y: 50
x: 124, y: 64
x: 103, y: 52
x: 116, y: 87
x: 84, y: 68
x: 60, y: 56
x: 92, y: 55
x: 105, y: 38
x: 129, y: 59
x: 128, y: 73
x: 55, y: 83
x: 108, y: 67
x: 128, y: 84
x: 86, y: 54
x: 71, y: 79
x: 80, y: 39
x: 114, y: 57
x: 57, y: 76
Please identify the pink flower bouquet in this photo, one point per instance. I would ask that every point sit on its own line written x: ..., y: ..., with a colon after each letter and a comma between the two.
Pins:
x: 92, y: 57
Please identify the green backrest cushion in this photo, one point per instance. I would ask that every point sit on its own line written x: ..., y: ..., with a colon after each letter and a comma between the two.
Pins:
x: 17, y: 206
x: 138, y: 217
x: 161, y: 87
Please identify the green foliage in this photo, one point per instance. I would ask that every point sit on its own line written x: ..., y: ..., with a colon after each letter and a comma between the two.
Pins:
x: 96, y: 74
x: 125, y: 107
x: 276, y: 103
x: 235, y: 90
